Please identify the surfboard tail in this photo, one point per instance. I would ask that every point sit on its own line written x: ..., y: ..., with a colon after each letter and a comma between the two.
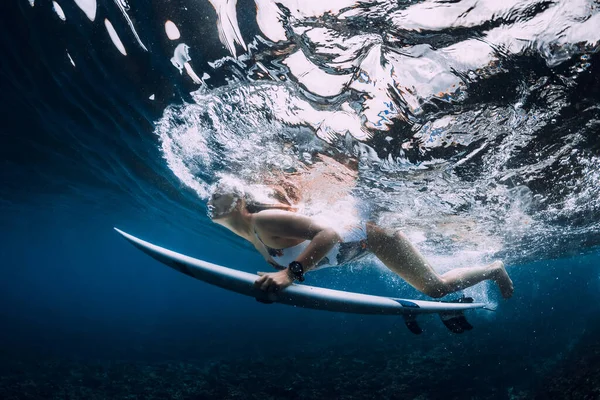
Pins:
x: 455, y: 321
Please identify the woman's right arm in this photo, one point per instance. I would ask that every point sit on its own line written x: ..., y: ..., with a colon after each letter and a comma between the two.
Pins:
x: 293, y: 226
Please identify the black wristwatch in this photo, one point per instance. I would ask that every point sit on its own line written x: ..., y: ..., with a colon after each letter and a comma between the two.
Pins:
x: 297, y: 270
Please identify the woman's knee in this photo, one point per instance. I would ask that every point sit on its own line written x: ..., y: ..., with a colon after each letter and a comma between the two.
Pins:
x: 435, y: 293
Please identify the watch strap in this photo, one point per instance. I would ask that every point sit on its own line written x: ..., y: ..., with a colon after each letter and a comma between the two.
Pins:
x: 297, y: 270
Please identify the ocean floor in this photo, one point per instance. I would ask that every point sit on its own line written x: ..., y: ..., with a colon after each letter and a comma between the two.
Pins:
x: 345, y: 372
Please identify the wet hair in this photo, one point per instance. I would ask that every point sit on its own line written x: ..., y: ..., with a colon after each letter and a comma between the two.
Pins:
x: 256, y: 197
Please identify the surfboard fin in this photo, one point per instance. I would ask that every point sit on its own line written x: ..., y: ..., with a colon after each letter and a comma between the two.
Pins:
x: 411, y: 323
x: 456, y: 322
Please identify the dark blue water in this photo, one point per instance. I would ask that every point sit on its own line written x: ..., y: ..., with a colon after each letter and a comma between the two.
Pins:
x: 85, y: 148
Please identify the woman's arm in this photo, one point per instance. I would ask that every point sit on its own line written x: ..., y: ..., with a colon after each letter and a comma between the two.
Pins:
x: 280, y: 224
x: 293, y: 226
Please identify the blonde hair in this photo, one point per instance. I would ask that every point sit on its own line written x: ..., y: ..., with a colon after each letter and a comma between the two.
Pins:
x: 258, y: 197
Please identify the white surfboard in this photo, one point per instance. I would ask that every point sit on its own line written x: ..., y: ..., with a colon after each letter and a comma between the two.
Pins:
x: 310, y: 296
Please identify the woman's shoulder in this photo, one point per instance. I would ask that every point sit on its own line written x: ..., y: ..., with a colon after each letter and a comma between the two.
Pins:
x: 269, y: 217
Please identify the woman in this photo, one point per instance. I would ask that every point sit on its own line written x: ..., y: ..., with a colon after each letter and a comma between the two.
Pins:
x: 296, y: 244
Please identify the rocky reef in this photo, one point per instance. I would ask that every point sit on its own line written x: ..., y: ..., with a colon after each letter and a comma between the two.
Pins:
x: 465, y: 367
x: 577, y: 376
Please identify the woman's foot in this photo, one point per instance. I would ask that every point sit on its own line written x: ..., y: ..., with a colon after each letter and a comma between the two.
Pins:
x: 502, y: 279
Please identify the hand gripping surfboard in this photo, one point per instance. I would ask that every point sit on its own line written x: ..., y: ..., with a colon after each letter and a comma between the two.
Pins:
x: 313, y: 297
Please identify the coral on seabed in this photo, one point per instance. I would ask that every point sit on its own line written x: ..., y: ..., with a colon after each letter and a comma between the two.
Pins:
x: 578, y: 375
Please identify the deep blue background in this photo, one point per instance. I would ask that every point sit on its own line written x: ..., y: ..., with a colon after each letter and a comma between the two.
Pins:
x: 78, y: 157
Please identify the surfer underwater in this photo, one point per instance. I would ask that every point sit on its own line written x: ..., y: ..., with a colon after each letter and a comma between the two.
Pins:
x: 296, y: 244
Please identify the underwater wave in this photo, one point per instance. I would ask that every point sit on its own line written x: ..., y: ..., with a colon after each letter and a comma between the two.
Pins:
x: 472, y: 125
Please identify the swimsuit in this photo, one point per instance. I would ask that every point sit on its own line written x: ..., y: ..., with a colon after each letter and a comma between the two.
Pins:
x: 352, y: 247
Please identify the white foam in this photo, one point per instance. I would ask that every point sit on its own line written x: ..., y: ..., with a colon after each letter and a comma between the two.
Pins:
x: 59, y: 11
x: 171, y: 30
x: 70, y: 59
x: 420, y: 73
x: 114, y: 37
x: 317, y: 8
x: 269, y: 19
x: 313, y: 78
x: 181, y: 60
x: 433, y: 15
x: 88, y: 7
x: 339, y: 123
x: 124, y: 7
x: 227, y: 25
x: 181, y: 55
x: 192, y: 74
x: 184, y: 148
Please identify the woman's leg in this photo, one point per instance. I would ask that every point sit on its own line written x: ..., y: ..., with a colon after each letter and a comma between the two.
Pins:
x: 399, y: 255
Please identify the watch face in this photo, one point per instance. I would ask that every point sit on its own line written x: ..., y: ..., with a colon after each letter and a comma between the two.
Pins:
x: 296, y: 268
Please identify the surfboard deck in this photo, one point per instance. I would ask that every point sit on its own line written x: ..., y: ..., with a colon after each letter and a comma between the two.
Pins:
x: 308, y: 296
